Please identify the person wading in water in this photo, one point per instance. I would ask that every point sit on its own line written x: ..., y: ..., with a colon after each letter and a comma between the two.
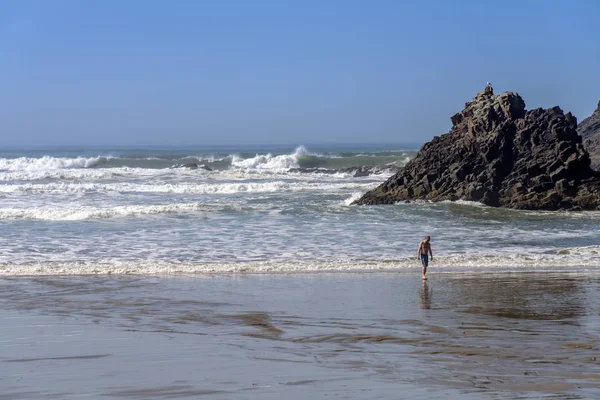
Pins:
x: 423, y: 253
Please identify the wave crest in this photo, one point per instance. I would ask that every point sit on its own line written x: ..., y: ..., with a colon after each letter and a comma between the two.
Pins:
x: 268, y: 161
x: 490, y: 263
x: 48, y: 163
x: 64, y: 188
x: 85, y: 213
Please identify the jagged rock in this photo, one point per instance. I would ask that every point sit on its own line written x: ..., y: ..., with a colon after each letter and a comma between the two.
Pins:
x: 500, y: 154
x: 589, y: 129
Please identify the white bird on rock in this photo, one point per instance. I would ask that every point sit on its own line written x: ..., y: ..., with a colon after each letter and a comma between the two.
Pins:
x: 489, y: 84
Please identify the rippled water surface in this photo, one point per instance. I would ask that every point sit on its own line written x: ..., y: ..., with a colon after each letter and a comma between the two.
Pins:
x: 124, y: 275
x: 273, y: 209
x: 366, y: 335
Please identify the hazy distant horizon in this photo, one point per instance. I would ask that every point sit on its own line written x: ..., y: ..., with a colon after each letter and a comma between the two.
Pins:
x: 193, y: 146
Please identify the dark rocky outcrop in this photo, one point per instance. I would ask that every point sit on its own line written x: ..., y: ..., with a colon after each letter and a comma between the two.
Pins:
x: 589, y: 129
x: 500, y: 154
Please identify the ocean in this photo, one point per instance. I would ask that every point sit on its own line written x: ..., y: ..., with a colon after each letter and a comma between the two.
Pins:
x: 257, y: 210
x: 246, y: 273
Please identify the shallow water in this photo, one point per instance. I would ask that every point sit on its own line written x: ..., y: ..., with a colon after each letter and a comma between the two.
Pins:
x: 123, y: 278
x: 125, y: 211
x: 352, y: 335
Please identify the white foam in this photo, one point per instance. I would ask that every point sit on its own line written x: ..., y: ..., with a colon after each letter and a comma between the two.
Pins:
x: 75, y: 213
x: 98, y: 174
x: 270, y: 162
x: 355, y: 196
x: 91, y: 174
x: 61, y: 188
x: 465, y: 203
x: 47, y: 163
x: 454, y: 263
x: 403, y: 162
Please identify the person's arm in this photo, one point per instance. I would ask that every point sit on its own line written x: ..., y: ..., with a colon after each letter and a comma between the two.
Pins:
x: 419, y: 250
x: 430, y: 252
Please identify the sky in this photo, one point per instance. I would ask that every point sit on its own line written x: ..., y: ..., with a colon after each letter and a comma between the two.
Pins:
x: 227, y: 72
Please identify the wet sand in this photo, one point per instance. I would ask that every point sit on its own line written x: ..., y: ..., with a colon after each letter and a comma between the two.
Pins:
x: 352, y: 336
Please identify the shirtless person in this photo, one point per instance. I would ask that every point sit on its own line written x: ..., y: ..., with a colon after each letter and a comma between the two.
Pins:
x: 423, y: 252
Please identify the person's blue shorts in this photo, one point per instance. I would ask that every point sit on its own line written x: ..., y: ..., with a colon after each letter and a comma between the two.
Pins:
x: 424, y: 260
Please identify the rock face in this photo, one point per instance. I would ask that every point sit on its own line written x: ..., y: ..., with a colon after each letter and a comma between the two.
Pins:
x: 589, y: 129
x: 500, y: 154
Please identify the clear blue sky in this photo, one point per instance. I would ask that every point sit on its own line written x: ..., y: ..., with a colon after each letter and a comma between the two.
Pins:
x: 199, y: 72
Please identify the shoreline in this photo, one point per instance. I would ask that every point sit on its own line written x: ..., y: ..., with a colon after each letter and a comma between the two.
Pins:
x: 591, y: 270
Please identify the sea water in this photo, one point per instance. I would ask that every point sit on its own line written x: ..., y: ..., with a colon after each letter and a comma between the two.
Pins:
x: 256, y: 210
x: 254, y: 276
x: 382, y: 335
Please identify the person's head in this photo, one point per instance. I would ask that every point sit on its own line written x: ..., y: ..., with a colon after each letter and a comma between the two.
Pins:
x: 427, y: 238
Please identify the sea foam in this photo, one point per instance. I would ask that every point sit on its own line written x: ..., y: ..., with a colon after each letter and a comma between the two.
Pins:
x: 47, y: 163
x: 87, y: 212
x: 271, y: 162
x: 63, y: 188
x: 485, y: 263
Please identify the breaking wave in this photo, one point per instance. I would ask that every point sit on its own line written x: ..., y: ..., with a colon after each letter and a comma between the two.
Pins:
x: 271, y: 162
x: 562, y: 261
x: 87, y: 212
x: 46, y: 163
x: 300, y: 158
x: 66, y: 188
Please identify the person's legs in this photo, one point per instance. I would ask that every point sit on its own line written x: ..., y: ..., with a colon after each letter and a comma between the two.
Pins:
x: 424, y: 263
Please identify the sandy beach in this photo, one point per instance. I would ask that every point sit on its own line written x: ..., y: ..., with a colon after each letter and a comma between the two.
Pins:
x: 296, y: 336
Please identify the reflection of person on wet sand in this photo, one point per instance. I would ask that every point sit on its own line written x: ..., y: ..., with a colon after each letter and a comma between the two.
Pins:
x: 423, y: 252
x: 424, y: 297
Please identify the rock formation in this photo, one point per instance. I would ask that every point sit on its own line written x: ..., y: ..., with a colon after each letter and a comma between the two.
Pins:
x: 500, y: 154
x: 589, y: 129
